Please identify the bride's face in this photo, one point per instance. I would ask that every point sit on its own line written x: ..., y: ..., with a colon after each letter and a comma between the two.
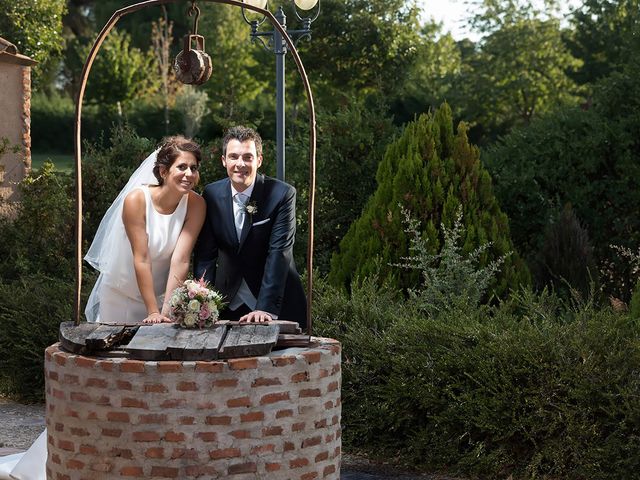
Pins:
x: 183, y: 174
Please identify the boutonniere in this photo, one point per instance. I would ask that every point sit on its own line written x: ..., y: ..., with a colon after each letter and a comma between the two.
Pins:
x: 251, y: 208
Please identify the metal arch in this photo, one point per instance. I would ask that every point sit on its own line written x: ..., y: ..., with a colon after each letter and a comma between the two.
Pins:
x: 78, y: 146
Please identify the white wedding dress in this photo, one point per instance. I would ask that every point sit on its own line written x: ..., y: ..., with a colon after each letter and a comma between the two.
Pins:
x: 115, y: 296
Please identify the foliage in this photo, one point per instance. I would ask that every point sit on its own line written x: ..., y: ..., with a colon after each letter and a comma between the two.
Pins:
x: 519, y: 70
x: 431, y: 172
x: 192, y: 105
x: 587, y: 158
x: 566, y: 258
x: 35, y: 28
x: 448, y: 277
x: 605, y: 36
x: 533, y: 388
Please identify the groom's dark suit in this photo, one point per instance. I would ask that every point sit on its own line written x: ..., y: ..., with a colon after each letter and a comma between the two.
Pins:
x: 264, y: 254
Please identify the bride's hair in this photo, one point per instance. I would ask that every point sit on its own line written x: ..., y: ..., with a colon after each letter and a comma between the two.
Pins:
x: 171, y: 149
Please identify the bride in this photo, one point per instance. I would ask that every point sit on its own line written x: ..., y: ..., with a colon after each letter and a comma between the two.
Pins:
x: 142, y: 249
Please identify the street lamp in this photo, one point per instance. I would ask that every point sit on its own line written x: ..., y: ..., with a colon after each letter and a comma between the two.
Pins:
x: 276, y: 45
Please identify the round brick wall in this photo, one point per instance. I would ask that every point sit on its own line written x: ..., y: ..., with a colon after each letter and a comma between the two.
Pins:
x: 271, y: 417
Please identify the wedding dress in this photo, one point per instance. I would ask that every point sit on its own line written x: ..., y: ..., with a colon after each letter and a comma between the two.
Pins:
x: 115, y: 296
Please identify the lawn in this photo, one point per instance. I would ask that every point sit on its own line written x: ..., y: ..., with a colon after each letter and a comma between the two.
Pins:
x: 62, y: 161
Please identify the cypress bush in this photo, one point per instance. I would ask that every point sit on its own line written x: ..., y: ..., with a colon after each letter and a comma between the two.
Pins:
x: 431, y: 172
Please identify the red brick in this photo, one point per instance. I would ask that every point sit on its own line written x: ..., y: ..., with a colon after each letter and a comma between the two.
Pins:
x: 59, y: 427
x: 174, y: 403
x: 155, y: 452
x: 282, y: 361
x: 323, y: 373
x: 187, y: 453
x: 328, y: 470
x: 240, y: 434
x: 71, y: 379
x: 321, y: 457
x: 288, y: 446
x: 274, y: 397
x: 53, y: 375
x: 166, y: 472
x: 118, y: 417
x: 103, y: 400
x: 206, y: 406
x: 60, y: 359
x: 321, y: 423
x: 210, y: 367
x: 312, y: 357
x: 284, y: 413
x: 187, y: 420
x: 70, y: 412
x: 97, y: 382
x: 298, y: 462
x: 224, y: 453
x: 155, y: 388
x: 328, y: 405
x: 121, y: 453
x: 272, y: 467
x: 60, y: 476
x: 333, y: 386
x: 66, y: 445
x: 133, y: 403
x: 174, y: 436
x: 335, y: 420
x: 153, y: 418
x: 309, y: 476
x: 219, y: 420
x: 73, y: 464
x: 79, y: 432
x: 207, y: 436
x: 310, y: 392
x: 225, y: 382
x: 312, y: 441
x: 112, y: 432
x: 239, y: 402
x: 131, y: 471
x: 258, y: 449
x: 300, y: 377
x: 55, y: 458
x: 335, y: 369
x: 169, y: 367
x: 329, y: 438
x: 132, y: 366
x: 187, y: 387
x: 265, y: 382
x: 252, y: 417
x: 242, y: 363
x: 58, y: 394
x: 106, y: 365
x: 298, y: 427
x: 270, y: 431
x: 146, y: 436
x: 124, y: 385
x: 249, y: 467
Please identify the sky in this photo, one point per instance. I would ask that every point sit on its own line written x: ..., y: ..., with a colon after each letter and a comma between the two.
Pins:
x: 454, y: 12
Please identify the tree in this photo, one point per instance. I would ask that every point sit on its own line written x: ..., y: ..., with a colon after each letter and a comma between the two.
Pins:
x: 35, y: 27
x: 431, y: 172
x: 519, y: 69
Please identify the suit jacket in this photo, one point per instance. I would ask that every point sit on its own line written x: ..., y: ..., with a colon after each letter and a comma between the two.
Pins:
x: 264, y: 254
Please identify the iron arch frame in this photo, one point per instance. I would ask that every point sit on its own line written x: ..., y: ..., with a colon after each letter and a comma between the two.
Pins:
x: 78, y: 144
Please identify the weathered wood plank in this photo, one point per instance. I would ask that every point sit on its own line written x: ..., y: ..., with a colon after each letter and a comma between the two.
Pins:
x: 248, y: 340
x: 150, y: 341
x: 285, y: 325
x: 72, y: 337
x: 197, y: 344
x: 106, y: 336
x: 286, y: 340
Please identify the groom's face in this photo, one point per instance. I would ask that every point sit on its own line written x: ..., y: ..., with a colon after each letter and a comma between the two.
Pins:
x: 242, y: 163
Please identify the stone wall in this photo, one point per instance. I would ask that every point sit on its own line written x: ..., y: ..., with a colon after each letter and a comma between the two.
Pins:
x: 275, y: 417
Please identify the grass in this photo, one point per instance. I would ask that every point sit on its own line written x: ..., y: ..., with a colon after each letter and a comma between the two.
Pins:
x: 62, y: 161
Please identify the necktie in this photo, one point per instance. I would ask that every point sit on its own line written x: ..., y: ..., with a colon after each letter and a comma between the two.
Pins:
x: 241, y: 200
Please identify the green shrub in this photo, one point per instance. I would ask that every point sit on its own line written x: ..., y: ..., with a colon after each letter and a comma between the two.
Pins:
x: 533, y: 388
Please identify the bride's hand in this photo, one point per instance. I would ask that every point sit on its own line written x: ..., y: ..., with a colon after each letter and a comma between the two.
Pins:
x: 156, y: 317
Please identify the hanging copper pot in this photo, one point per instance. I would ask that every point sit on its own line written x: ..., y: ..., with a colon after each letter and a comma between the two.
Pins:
x: 193, y: 66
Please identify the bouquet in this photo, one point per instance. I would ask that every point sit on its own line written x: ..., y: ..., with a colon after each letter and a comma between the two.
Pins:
x: 194, y: 304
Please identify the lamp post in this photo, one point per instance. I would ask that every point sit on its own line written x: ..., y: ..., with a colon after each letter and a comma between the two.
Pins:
x: 276, y: 45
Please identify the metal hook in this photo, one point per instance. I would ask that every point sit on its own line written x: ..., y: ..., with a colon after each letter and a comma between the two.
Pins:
x: 194, y: 9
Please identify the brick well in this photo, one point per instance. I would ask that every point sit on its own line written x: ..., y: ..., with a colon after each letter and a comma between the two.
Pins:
x: 271, y: 417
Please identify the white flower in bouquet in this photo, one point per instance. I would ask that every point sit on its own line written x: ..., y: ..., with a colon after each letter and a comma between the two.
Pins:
x: 194, y: 305
x: 190, y: 320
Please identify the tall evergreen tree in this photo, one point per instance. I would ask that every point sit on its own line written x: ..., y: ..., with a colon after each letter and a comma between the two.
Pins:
x: 431, y: 171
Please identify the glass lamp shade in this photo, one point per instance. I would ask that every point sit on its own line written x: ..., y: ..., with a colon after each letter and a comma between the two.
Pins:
x: 256, y: 3
x: 306, y: 4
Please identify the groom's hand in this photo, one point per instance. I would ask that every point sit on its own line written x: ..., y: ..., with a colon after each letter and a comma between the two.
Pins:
x: 257, y: 316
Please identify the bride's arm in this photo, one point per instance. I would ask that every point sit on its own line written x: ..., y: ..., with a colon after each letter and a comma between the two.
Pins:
x: 196, y: 209
x: 134, y: 219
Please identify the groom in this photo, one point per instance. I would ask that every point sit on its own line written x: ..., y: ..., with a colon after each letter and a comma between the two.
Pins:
x: 245, y: 247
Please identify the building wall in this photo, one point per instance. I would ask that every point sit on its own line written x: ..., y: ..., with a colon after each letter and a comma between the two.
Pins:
x: 15, y: 108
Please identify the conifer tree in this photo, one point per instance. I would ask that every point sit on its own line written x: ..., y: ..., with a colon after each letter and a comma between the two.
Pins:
x: 429, y: 171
